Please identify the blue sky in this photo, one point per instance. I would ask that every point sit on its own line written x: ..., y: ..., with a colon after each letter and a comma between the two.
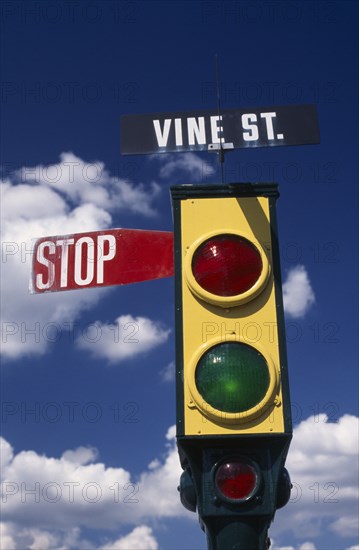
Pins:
x: 89, y: 457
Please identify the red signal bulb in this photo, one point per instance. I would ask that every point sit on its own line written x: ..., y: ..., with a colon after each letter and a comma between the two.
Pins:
x: 236, y: 480
x: 226, y: 265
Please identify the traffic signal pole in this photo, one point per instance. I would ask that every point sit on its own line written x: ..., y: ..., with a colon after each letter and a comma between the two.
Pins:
x: 236, y: 534
x: 233, y: 404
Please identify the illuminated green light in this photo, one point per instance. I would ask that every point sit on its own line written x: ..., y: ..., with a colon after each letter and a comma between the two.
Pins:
x: 232, y: 377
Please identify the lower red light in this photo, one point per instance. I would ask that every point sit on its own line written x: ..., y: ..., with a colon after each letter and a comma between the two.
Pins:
x: 236, y: 480
x: 226, y: 265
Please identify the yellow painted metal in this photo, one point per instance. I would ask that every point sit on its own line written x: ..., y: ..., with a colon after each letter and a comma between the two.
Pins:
x: 252, y: 321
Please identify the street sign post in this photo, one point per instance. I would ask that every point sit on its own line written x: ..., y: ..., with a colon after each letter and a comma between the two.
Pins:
x: 207, y: 130
x: 100, y: 258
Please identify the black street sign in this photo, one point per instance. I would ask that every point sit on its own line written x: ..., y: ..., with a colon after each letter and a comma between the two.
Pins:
x: 205, y: 130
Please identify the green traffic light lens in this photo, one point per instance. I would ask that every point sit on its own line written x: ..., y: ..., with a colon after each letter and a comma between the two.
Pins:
x: 232, y: 377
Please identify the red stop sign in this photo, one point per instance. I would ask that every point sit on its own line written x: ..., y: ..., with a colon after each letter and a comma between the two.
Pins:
x: 100, y: 258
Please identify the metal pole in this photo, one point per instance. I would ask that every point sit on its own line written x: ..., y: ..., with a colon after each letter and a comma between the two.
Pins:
x: 232, y: 534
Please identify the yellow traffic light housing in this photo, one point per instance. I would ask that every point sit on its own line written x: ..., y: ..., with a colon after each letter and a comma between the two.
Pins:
x: 231, y: 358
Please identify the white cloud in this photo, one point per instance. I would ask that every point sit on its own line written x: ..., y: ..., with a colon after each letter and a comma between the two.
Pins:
x: 126, y: 338
x: 171, y: 433
x: 90, y: 182
x: 6, y: 537
x: 317, y: 436
x: 304, y: 546
x: 6, y: 452
x: 81, y: 455
x: 141, y: 538
x: 322, y: 463
x: 168, y: 372
x: 75, y: 490
x: 183, y: 165
x: 69, y: 197
x: 13, y: 537
x: 348, y: 526
x: 30, y: 202
x: 298, y: 295
x: 159, y: 485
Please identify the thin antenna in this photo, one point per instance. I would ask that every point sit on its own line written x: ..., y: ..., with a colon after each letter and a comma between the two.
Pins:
x: 220, y: 150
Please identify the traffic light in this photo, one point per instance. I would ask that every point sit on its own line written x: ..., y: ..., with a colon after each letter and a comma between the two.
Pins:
x: 233, y: 405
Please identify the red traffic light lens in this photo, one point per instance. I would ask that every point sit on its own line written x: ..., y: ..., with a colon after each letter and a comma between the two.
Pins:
x: 236, y: 480
x: 226, y: 265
